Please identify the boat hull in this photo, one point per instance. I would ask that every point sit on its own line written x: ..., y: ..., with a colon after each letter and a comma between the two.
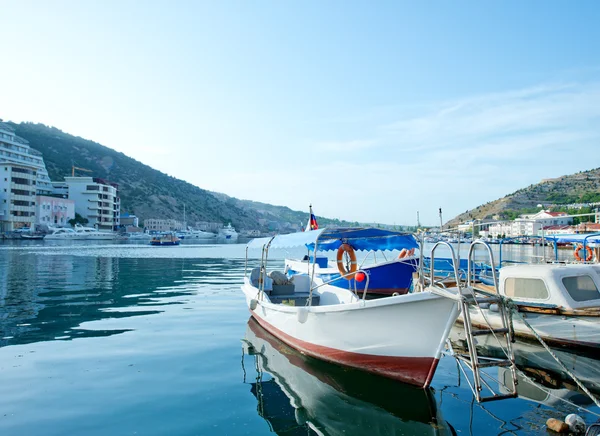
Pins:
x: 579, y: 332
x: 398, y: 337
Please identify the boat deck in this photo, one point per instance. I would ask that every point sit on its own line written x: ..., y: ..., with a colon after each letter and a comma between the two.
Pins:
x: 295, y: 299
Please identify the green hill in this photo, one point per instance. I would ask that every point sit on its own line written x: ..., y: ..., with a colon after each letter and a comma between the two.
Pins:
x: 569, y: 192
x: 149, y: 193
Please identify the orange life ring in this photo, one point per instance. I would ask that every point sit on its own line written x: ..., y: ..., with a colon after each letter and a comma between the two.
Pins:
x: 406, y: 253
x: 347, y: 274
x: 589, y: 253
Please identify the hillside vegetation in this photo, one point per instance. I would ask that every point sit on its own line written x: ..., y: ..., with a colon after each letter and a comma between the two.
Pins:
x: 580, y: 188
x: 149, y: 193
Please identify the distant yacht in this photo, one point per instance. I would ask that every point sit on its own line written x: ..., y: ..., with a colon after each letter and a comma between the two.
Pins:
x: 197, y: 235
x: 228, y: 233
x: 80, y: 233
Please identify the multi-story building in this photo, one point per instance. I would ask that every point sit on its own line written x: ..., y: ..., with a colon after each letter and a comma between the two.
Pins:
x: 529, y: 225
x: 16, y: 150
x: 23, y: 174
x: 53, y: 211
x: 160, y: 225
x: 95, y: 199
x: 17, y: 196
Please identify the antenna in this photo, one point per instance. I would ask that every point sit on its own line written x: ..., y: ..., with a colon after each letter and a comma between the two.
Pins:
x: 418, y: 220
x: 441, y: 222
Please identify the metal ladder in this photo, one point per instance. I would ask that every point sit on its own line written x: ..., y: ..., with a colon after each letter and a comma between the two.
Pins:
x: 469, y: 296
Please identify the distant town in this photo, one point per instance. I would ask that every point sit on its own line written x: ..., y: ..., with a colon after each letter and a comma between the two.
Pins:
x: 30, y: 200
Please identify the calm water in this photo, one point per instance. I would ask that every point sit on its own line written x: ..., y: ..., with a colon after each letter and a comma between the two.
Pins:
x: 126, y: 339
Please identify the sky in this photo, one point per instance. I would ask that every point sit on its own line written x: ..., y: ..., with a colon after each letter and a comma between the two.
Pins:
x: 371, y: 111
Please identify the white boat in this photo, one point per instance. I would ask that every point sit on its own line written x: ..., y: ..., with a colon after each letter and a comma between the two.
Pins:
x: 298, y: 395
x: 92, y: 234
x: 197, y: 235
x: 399, y: 337
x: 228, y: 233
x: 80, y: 233
x: 561, y: 302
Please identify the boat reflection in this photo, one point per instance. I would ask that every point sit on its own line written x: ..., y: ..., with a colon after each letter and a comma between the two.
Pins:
x: 300, y: 395
x: 541, y: 379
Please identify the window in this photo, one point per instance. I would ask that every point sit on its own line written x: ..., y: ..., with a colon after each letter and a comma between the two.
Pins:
x: 526, y: 288
x: 581, y: 288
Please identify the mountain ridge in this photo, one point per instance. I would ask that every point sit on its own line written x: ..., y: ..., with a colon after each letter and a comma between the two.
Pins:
x: 150, y: 193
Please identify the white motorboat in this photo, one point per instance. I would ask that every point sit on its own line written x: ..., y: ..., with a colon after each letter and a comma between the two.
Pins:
x: 228, y: 234
x: 197, y: 235
x: 92, y: 234
x: 297, y: 394
x: 335, y: 325
x: 80, y: 233
x: 561, y: 302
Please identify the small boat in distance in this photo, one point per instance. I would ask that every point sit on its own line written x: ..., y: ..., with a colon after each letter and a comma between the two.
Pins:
x: 228, y: 233
x: 165, y: 240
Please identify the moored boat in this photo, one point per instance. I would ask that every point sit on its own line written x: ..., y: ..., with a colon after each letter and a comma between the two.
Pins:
x: 228, y: 234
x: 334, y: 324
x: 387, y: 276
x: 168, y: 239
x: 561, y: 302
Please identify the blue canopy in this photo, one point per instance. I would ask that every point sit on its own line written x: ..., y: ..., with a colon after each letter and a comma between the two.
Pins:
x: 359, y: 238
x: 589, y: 238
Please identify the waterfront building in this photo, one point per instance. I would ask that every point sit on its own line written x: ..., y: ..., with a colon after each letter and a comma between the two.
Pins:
x: 163, y: 225
x: 129, y: 220
x: 53, y: 211
x: 528, y: 225
x: 17, y: 196
x: 206, y: 226
x: 14, y: 149
x: 95, y: 199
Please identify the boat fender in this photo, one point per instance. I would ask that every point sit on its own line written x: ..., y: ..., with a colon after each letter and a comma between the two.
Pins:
x: 348, y: 274
x: 576, y: 423
x: 403, y: 253
x: 302, y: 315
x: 494, y: 307
x: 484, y: 305
x: 589, y: 254
x: 253, y: 304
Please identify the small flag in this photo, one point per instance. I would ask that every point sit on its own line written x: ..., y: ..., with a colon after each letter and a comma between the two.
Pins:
x: 313, y: 222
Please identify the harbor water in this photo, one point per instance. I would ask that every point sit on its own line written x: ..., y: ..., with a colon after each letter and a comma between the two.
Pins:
x: 125, y: 339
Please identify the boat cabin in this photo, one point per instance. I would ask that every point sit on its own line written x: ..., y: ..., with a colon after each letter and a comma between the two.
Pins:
x: 565, y: 286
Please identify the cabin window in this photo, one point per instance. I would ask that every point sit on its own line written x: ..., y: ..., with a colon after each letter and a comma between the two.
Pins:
x: 581, y: 288
x: 526, y: 288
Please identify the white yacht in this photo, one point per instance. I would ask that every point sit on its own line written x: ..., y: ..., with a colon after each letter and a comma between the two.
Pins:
x: 80, y: 233
x: 197, y: 235
x: 62, y: 234
x: 228, y: 233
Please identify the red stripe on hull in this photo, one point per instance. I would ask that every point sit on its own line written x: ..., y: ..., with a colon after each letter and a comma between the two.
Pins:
x: 416, y: 371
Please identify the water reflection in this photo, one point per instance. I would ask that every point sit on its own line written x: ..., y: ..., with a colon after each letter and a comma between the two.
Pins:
x: 48, y: 297
x: 540, y: 379
x: 299, y: 395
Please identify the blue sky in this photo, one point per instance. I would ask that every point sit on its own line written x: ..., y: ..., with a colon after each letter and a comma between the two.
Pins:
x: 368, y: 110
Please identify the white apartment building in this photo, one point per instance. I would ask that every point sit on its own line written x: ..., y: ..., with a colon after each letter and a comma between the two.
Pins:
x: 160, y: 225
x: 53, y: 211
x: 17, y: 196
x: 95, y: 199
x: 16, y: 150
x: 529, y: 225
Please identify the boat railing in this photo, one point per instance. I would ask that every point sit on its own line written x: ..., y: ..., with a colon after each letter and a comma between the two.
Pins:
x: 432, y: 263
x: 345, y: 276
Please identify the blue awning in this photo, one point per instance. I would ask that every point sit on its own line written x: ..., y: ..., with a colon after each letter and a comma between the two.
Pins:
x: 589, y: 238
x: 359, y: 238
